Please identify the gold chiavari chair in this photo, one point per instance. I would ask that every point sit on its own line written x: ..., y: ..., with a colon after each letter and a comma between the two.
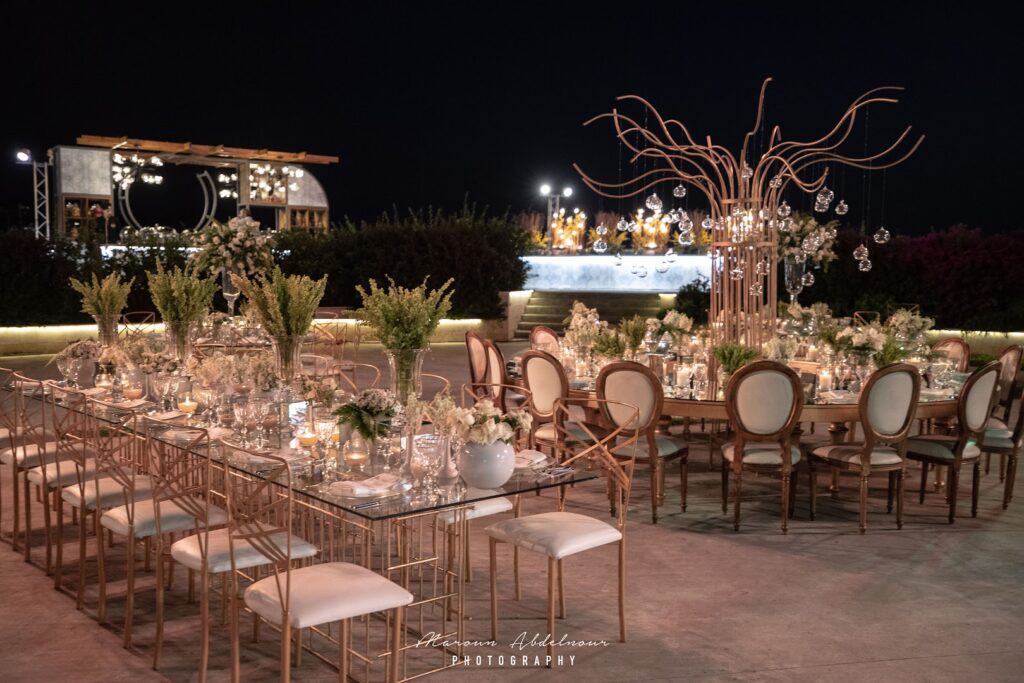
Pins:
x: 561, y: 534
x: 292, y: 598
x: 979, y: 393
x: 886, y: 407
x: 436, y: 384
x: 354, y: 375
x: 315, y: 365
x: 763, y: 400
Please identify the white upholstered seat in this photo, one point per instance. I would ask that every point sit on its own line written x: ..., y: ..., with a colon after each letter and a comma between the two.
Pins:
x: 173, y: 518
x: 555, y: 534
x: 105, y: 492
x: 996, y: 423
x: 480, y: 508
x: 186, y: 551
x: 68, y: 474
x: 853, y: 452
x: 326, y: 593
x: 29, y: 456
x: 760, y: 453
x: 940, y: 446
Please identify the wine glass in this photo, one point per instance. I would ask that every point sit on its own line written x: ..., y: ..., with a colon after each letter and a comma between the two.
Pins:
x: 229, y: 290
x: 258, y: 407
x: 64, y: 367
x: 794, y: 277
x: 207, y: 399
x: 241, y: 412
x: 427, y: 457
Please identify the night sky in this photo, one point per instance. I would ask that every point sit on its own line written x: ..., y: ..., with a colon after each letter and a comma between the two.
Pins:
x: 427, y: 105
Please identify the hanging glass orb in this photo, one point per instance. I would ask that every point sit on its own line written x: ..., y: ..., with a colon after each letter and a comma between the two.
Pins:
x: 600, y: 246
x: 670, y: 255
x: 737, y: 273
x: 685, y: 223
x: 685, y: 238
x: 761, y: 268
x: 706, y: 223
x: 672, y: 217
x: 601, y: 230
x: 756, y: 289
x: 747, y: 172
x: 882, y: 236
x: 641, y: 271
x: 679, y: 191
x: 861, y: 252
x: 786, y: 224
x: 662, y: 267
x: 632, y: 227
x: 653, y: 202
x: 622, y: 225
x: 864, y: 265
x: 808, y: 279
x: 842, y: 208
x: 825, y: 196
x: 784, y: 209
x: 800, y: 257
x: 820, y: 207
x: 775, y: 183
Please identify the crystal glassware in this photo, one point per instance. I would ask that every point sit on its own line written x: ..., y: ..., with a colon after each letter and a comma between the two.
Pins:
x: 794, y: 277
x: 241, y: 412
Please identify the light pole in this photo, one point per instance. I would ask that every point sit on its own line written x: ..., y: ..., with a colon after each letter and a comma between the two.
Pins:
x: 40, y: 190
x: 554, y: 200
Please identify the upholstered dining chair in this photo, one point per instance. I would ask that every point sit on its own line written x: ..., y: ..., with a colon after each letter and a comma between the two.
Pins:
x: 626, y: 382
x: 355, y: 376
x: 887, y: 405
x: 956, y: 349
x: 261, y: 524
x: 497, y: 377
x: 545, y: 339
x: 546, y: 382
x: 1006, y: 444
x: 1009, y: 369
x: 134, y: 323
x: 974, y: 406
x: 561, y: 534
x: 763, y: 401
x: 477, y: 360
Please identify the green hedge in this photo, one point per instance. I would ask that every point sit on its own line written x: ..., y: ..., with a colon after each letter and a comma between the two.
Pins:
x: 480, y: 252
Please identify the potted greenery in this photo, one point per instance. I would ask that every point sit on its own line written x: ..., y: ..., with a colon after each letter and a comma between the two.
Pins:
x: 182, y: 297
x: 403, y: 320
x: 104, y: 300
x: 633, y: 332
x: 731, y: 357
x: 285, y: 306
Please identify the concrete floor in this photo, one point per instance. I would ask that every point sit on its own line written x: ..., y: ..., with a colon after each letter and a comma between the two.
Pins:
x: 932, y: 602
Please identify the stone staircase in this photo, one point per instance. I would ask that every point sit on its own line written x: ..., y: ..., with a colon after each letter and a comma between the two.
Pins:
x: 551, y: 308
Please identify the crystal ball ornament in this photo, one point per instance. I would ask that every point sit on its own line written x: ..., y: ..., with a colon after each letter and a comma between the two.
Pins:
x: 622, y: 225
x: 685, y: 222
x: 662, y: 267
x: 864, y: 265
x: 632, y: 227
x: 601, y: 229
x: 842, y: 208
x: 761, y: 268
x: 679, y: 191
x: 736, y: 273
x: 706, y: 223
x: 653, y: 202
x: 672, y: 217
x: 860, y: 253
x: 756, y: 289
x: 747, y: 172
x: 600, y: 247
x: 685, y: 238
x: 882, y: 236
x: 808, y: 279
x: 775, y: 183
x: 784, y: 210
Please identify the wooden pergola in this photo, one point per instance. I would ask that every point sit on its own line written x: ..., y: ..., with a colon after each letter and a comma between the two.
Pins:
x: 197, y: 153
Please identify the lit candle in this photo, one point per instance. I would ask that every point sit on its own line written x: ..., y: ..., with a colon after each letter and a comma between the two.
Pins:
x: 812, y: 352
x: 187, y: 405
x: 824, y: 381
x: 307, y: 438
x: 131, y: 393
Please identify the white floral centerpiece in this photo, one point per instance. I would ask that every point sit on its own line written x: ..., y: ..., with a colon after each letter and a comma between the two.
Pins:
x: 908, y: 326
x: 237, y: 246
x: 209, y: 371
x: 804, y: 237
x: 582, y: 326
x: 780, y: 348
x: 370, y: 412
x: 319, y: 389
x: 864, y: 340
x: 487, y: 458
x: 258, y: 368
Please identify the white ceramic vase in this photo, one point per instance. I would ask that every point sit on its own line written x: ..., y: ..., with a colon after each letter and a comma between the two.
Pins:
x: 487, y: 467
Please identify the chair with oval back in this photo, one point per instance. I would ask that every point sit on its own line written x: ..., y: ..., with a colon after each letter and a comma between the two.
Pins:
x: 763, y: 400
x: 629, y: 383
x: 1009, y: 369
x: 1007, y: 445
x: 979, y: 394
x: 546, y: 381
x: 477, y: 360
x: 887, y: 406
x: 957, y: 351
x: 544, y: 339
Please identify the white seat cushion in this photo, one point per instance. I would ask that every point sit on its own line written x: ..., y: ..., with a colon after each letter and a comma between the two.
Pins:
x: 546, y: 432
x: 761, y: 453
x: 173, y: 518
x: 480, y: 508
x: 68, y: 474
x: 106, y: 492
x: 1004, y: 442
x: 996, y: 423
x: 218, y: 556
x: 940, y: 446
x: 326, y: 593
x: 29, y: 456
x: 997, y: 433
x: 555, y: 534
x: 852, y: 453
x: 667, y: 446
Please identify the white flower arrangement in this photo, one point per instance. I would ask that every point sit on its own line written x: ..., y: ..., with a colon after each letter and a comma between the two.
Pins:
x: 319, y: 389
x: 582, y: 325
x: 804, y: 236
x: 863, y: 340
x: 370, y: 412
x: 259, y: 368
x: 485, y: 424
x: 908, y: 326
x: 237, y: 246
x: 79, y: 350
x: 158, y: 361
x: 116, y: 356
x: 212, y: 370
x: 780, y: 349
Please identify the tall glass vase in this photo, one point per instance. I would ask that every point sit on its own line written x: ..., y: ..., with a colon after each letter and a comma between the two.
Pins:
x: 229, y: 290
x: 106, y: 329
x: 178, y: 334
x: 287, y: 350
x: 406, y: 366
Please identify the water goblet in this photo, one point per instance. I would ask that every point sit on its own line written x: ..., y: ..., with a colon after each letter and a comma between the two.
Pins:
x: 241, y: 413
x: 64, y: 367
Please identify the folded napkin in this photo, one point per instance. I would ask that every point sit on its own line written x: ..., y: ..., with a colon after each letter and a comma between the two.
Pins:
x: 373, y: 486
x: 169, y: 415
x: 94, y: 391
x: 839, y: 396
x: 937, y: 393
x: 528, y: 458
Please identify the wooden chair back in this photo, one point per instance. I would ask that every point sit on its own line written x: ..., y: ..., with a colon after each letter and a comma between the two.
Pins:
x: 764, y: 400
x: 65, y: 428
x: 477, y: 354
x: 621, y: 386
x: 957, y: 351
x: 546, y: 381
x: 977, y: 397
x: 112, y: 437
x: 349, y: 374
x: 495, y: 377
x: 1009, y: 368
x: 887, y: 406
x: 545, y: 339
